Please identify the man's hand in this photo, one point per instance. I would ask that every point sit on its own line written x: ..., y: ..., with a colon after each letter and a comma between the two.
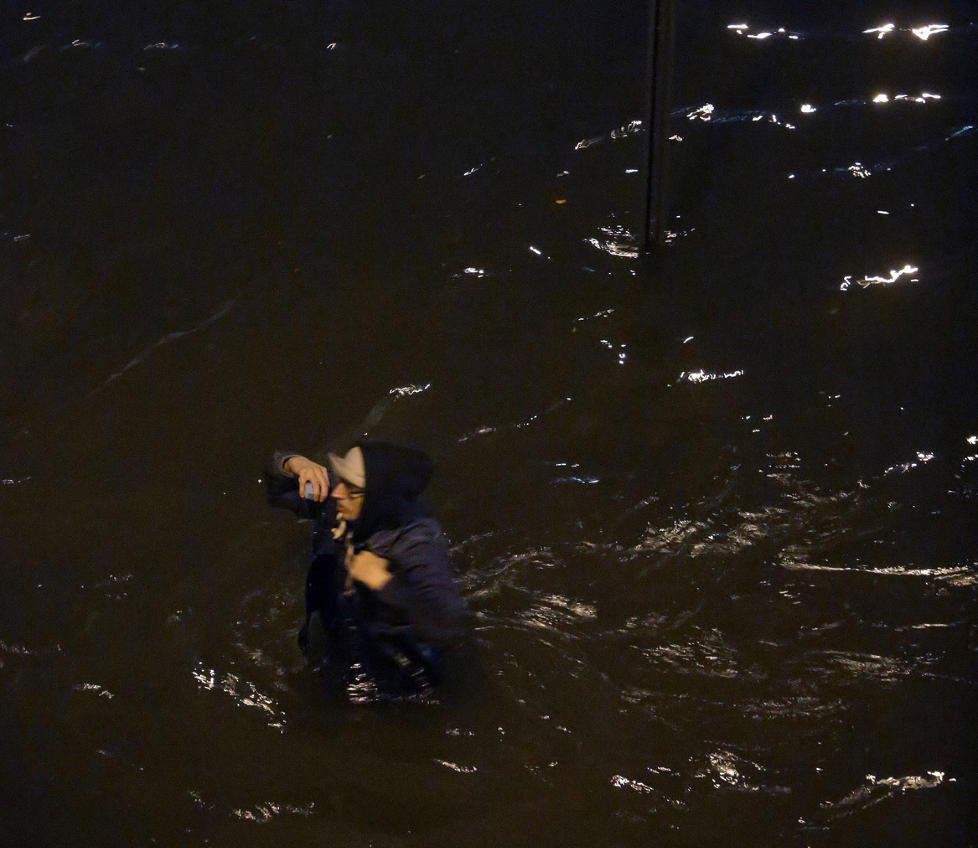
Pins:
x: 369, y: 569
x: 309, y: 472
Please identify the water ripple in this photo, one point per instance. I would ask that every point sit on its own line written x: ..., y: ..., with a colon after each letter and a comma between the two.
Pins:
x: 165, y: 340
x: 875, y: 790
x: 243, y: 692
x: 616, y: 241
x: 268, y: 810
x: 726, y: 770
x: 485, y: 429
x: 95, y: 688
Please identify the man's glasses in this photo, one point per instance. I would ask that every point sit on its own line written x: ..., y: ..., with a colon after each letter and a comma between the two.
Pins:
x: 352, y: 492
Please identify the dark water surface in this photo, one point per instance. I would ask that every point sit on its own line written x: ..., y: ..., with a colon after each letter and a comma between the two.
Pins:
x: 714, y: 511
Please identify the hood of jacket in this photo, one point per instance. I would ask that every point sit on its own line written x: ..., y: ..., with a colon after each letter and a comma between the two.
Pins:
x: 396, y: 475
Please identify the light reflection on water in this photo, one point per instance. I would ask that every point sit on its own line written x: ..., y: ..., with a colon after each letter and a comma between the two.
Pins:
x: 877, y: 280
x: 616, y: 241
x: 923, y: 33
x: 874, y: 790
x: 242, y: 692
x: 701, y: 376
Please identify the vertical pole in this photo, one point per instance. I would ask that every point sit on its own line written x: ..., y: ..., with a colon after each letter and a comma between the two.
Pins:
x: 658, y: 97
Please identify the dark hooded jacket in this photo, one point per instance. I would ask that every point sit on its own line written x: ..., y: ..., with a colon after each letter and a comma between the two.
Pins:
x: 418, y: 614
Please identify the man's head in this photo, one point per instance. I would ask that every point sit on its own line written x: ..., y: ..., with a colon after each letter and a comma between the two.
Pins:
x: 350, y: 471
x: 379, y: 484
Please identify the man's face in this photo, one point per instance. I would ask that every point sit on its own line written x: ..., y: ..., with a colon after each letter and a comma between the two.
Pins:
x: 349, y: 500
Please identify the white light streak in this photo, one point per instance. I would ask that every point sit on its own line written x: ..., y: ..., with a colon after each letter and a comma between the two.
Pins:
x: 925, y: 32
x: 807, y: 108
x: 630, y: 128
x: 604, y: 313
x: 266, y: 811
x: 895, y: 275
x: 881, y: 32
x: 904, y: 467
x: 243, y: 692
x: 101, y: 691
x: 923, y: 98
x: 613, y: 248
x: 456, y: 767
x: 407, y: 391
x: 703, y: 113
x: 702, y: 376
x: 881, y: 98
x: 585, y: 143
x: 479, y: 431
x: 621, y: 782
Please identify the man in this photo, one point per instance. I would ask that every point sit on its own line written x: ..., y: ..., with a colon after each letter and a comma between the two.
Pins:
x: 379, y: 590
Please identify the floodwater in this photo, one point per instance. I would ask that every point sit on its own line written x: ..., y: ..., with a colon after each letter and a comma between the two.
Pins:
x: 713, y: 510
